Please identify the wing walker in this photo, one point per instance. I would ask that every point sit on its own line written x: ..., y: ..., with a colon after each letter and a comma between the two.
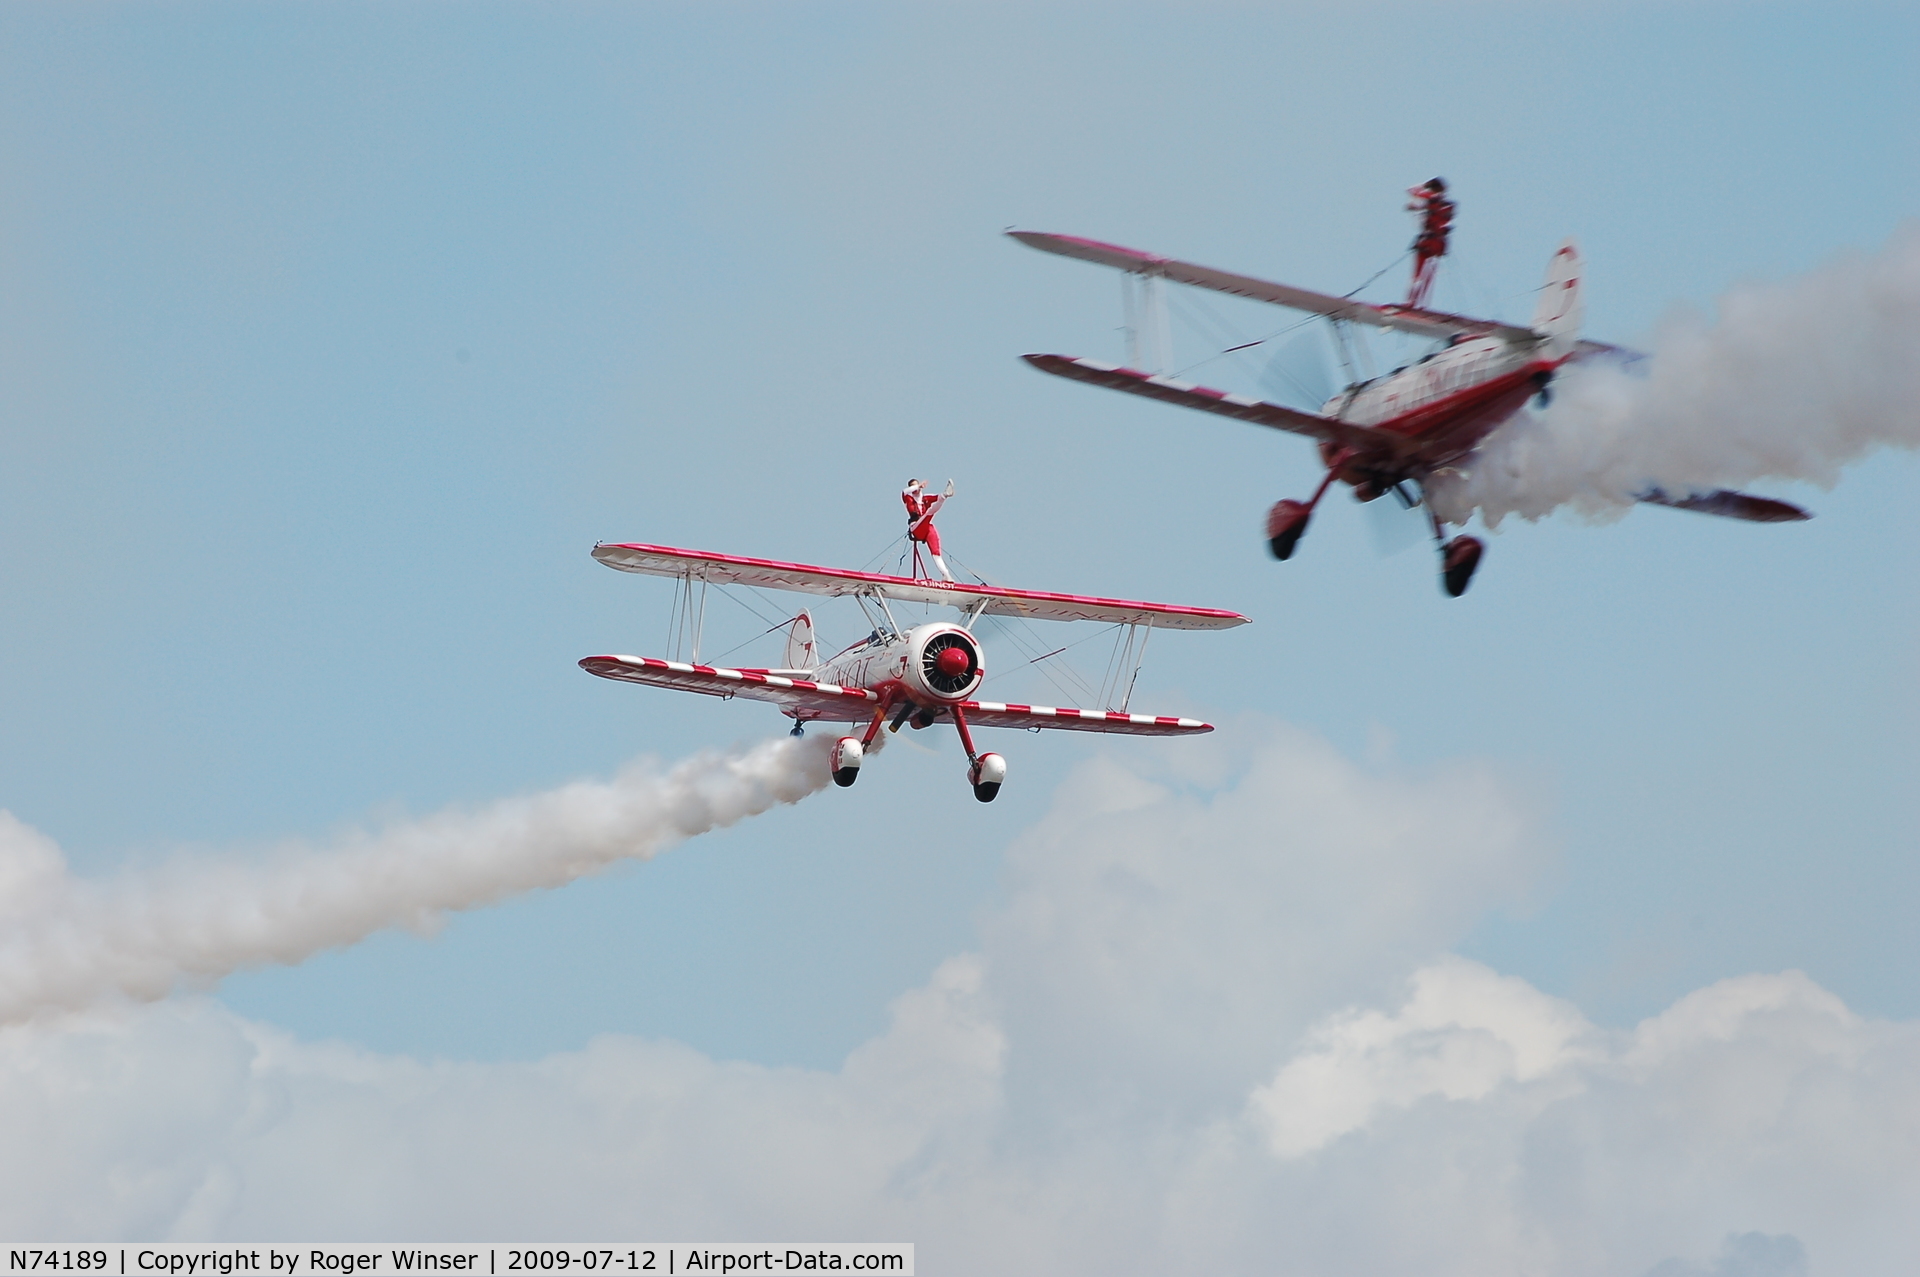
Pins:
x: 918, y: 675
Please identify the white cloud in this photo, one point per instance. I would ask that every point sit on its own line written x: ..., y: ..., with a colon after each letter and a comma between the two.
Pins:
x: 1213, y: 1027
x: 1464, y: 1032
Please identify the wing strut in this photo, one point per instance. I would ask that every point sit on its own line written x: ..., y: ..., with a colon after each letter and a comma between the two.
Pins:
x: 1139, y: 660
x: 1143, y: 305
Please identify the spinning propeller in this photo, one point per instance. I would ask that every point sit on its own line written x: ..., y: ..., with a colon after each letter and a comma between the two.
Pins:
x: 949, y: 663
x: 1396, y: 522
x: 1299, y: 375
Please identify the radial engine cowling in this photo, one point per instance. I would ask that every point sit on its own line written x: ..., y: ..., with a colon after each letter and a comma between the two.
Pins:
x: 943, y: 663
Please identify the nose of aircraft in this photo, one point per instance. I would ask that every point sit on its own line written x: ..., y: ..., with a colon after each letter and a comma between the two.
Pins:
x: 952, y: 662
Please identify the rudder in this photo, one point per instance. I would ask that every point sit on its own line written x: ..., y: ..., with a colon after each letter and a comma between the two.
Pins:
x: 800, y: 653
x: 1559, y: 311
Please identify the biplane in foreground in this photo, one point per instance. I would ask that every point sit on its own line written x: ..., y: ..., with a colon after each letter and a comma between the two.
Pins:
x: 1389, y: 434
x: 920, y: 675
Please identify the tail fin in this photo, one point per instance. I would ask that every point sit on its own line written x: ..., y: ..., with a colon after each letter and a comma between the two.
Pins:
x: 800, y: 653
x: 1557, y: 316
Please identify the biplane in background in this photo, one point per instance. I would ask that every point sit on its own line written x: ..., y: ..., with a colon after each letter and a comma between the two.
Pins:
x: 920, y: 674
x: 1387, y: 434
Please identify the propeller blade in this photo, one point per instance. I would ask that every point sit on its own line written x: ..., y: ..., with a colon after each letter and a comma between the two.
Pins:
x: 1395, y: 522
x: 1300, y: 374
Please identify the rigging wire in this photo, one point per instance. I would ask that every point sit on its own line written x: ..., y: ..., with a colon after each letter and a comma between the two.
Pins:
x: 1084, y: 692
x: 1377, y: 274
x: 755, y: 639
x: 1005, y: 626
x: 1183, y: 300
x: 1240, y: 346
x: 725, y: 592
x: 882, y: 553
x: 1020, y: 640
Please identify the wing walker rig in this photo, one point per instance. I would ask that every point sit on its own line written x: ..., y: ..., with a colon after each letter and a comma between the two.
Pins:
x: 918, y: 675
x: 1394, y: 433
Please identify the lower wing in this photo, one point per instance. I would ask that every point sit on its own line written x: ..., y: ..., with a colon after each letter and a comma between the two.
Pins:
x: 803, y: 698
x: 1364, y: 440
x: 808, y: 700
x: 1037, y: 717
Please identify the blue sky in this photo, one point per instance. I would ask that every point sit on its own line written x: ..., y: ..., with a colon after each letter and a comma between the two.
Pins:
x: 333, y: 337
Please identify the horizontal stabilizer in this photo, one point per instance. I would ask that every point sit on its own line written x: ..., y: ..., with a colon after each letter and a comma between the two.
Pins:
x: 1624, y: 358
x: 1730, y: 505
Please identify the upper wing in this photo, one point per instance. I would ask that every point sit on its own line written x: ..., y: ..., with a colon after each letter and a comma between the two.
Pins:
x: 801, y: 697
x: 1034, y: 717
x: 989, y: 600
x: 1427, y: 323
x: 1730, y: 505
x: 1364, y: 440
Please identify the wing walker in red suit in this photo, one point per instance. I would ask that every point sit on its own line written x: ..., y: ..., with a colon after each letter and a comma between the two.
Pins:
x: 920, y: 530
x: 1430, y: 244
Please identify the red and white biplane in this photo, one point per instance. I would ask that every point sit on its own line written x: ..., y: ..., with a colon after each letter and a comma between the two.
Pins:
x: 1388, y: 434
x: 919, y: 675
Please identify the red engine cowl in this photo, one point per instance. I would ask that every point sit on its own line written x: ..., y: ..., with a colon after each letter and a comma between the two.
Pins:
x: 944, y: 663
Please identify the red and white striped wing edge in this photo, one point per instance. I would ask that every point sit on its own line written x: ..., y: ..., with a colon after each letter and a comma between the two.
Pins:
x: 995, y: 714
x: 852, y: 704
x: 815, y: 699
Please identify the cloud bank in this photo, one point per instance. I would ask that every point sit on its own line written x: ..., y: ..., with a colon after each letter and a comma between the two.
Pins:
x: 1793, y: 380
x: 1212, y: 1026
x: 68, y: 942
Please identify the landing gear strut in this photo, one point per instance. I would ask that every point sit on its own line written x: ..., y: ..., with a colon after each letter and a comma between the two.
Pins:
x: 985, y: 772
x: 1458, y: 558
x: 849, y: 752
x: 1287, y: 521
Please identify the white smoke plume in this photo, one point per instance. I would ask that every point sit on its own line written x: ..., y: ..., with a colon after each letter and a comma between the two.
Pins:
x: 1793, y: 381
x: 70, y: 942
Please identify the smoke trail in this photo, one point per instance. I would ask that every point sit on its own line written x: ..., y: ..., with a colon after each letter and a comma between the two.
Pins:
x: 1795, y: 380
x: 70, y: 942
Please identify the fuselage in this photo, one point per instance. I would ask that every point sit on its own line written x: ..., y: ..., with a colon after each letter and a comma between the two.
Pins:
x: 878, y: 660
x: 907, y: 667
x: 1448, y: 402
